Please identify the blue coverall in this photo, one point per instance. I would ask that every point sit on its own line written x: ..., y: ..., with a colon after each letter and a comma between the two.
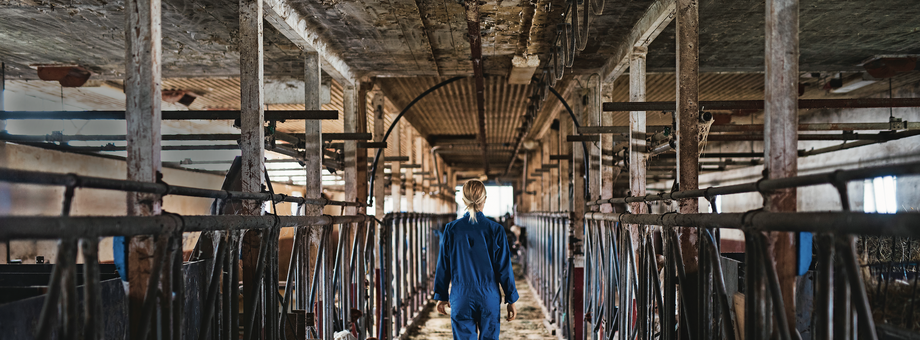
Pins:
x: 476, y: 259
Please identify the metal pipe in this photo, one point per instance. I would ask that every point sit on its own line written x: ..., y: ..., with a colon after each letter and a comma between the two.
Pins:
x: 889, y: 126
x: 759, y: 104
x: 774, y: 184
x: 213, y: 287
x: 48, y: 178
x: 170, y: 115
x: 42, y: 227
x: 901, y: 224
x: 393, y: 125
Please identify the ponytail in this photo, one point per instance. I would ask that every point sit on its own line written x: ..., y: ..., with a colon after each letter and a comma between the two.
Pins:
x: 474, y: 196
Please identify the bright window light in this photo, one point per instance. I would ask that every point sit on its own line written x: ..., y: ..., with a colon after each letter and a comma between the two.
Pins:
x: 880, y: 195
x: 500, y: 200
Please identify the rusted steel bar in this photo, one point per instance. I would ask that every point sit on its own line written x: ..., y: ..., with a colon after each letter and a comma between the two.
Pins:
x: 901, y: 224
x: 759, y: 104
x: 594, y: 130
x: 779, y: 183
x: 475, y: 36
x: 41, y: 227
x: 171, y: 115
x: 844, y: 146
x: 357, y: 136
x: 49, y: 178
x: 881, y: 137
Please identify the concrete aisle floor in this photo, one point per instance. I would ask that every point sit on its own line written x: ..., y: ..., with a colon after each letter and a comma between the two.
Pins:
x: 528, y: 325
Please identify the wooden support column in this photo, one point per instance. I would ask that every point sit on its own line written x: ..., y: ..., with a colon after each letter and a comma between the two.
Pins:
x: 346, y: 231
x: 410, y: 178
x: 608, y: 166
x: 546, y: 188
x: 395, y: 172
x: 142, y: 117
x: 565, y: 165
x: 252, y: 146
x: 313, y: 144
x: 637, y: 126
x: 688, y: 145
x: 577, y: 230
x: 419, y: 193
x: 379, y: 131
x: 524, y: 205
x: 592, y: 117
x: 425, y: 156
x: 781, y: 132
x: 554, y: 172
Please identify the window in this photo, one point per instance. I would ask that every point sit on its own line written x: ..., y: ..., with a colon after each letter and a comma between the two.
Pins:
x: 880, y: 195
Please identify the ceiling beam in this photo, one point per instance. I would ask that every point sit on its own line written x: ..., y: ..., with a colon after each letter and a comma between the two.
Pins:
x: 294, y: 26
x: 655, y: 19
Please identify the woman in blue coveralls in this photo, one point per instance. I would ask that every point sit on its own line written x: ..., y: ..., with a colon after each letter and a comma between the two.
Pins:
x: 476, y: 259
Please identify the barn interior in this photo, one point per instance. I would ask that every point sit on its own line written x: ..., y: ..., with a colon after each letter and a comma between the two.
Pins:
x: 285, y: 169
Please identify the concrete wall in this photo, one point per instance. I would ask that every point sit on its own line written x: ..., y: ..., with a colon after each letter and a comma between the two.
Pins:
x: 32, y: 200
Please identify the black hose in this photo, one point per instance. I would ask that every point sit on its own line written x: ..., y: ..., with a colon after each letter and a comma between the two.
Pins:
x: 584, y: 147
x: 370, y: 197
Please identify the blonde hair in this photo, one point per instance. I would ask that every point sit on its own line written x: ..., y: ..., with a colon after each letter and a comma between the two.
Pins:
x: 474, y: 196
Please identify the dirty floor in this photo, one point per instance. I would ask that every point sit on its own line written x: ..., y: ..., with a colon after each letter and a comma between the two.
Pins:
x: 528, y: 325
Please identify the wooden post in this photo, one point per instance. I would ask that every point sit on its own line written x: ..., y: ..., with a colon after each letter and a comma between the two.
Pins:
x: 142, y: 117
x: 592, y: 117
x: 565, y: 166
x: 546, y: 188
x: 395, y: 172
x: 781, y: 132
x: 252, y: 145
x: 379, y: 130
x: 637, y: 122
x: 425, y: 156
x: 410, y: 178
x: 688, y: 143
x: 608, y: 166
x: 419, y: 193
x: 352, y: 122
x: 554, y: 192
x: 313, y: 144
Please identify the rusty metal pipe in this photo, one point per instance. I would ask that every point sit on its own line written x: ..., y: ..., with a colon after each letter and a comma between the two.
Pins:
x: 42, y: 227
x: 759, y: 104
x: 774, y: 184
x: 902, y: 224
x: 49, y: 178
x: 170, y: 115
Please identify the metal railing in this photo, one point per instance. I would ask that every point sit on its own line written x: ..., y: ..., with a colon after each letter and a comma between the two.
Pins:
x: 408, y: 250
x: 323, y: 267
x: 547, y: 265
x: 637, y: 284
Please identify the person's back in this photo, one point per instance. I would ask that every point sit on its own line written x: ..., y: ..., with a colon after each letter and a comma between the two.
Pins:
x: 474, y: 257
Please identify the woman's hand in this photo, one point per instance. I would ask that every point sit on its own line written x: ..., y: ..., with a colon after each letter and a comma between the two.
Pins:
x: 441, y: 305
x: 512, y: 312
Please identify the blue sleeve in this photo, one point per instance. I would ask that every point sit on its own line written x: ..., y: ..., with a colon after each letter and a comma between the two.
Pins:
x: 442, y: 273
x: 501, y: 259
